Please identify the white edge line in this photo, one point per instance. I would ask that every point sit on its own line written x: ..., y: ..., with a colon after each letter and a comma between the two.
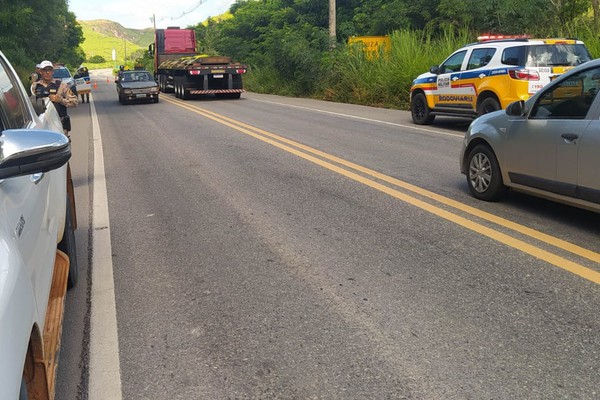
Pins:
x: 364, y: 119
x: 105, y: 372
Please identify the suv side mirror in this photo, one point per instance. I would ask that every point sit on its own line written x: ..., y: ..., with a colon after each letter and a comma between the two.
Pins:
x: 516, y: 108
x: 26, y: 151
x: 435, y: 70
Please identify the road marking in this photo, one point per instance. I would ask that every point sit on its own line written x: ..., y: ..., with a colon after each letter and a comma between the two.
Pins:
x: 413, y: 127
x: 105, y: 372
x: 305, y: 152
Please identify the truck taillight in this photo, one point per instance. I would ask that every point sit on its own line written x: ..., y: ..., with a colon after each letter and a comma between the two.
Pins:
x: 524, y: 74
x: 194, y: 72
x: 240, y: 71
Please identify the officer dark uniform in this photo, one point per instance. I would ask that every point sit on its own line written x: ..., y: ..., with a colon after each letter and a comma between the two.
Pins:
x: 61, y: 94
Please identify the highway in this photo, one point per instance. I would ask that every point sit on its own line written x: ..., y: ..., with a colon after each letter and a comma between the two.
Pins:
x: 282, y: 248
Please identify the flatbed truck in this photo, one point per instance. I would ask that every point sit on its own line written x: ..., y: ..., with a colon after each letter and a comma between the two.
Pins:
x: 179, y: 69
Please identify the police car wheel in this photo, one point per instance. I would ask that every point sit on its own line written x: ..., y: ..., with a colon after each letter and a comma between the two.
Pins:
x: 487, y: 106
x: 420, y: 111
x: 483, y: 174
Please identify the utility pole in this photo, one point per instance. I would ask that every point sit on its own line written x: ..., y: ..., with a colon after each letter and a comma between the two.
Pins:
x: 332, y: 29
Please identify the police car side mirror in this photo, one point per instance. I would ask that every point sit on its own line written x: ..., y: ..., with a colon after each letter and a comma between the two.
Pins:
x: 435, y: 70
x: 516, y: 108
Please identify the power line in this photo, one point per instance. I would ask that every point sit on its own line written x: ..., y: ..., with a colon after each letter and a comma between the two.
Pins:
x: 183, y: 14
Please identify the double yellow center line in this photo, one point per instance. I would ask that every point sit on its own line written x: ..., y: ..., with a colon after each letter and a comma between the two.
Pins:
x: 351, y: 171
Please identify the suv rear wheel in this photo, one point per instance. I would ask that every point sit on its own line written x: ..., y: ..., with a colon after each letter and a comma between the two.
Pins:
x: 487, y: 106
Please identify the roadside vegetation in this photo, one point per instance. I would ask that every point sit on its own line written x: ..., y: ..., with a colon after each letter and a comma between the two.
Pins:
x: 286, y: 42
x: 36, y: 30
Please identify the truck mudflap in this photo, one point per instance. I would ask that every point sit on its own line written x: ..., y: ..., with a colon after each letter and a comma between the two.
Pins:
x: 215, y: 91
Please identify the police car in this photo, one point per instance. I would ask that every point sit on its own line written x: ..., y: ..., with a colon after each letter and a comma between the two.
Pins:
x: 490, y: 74
x: 61, y: 72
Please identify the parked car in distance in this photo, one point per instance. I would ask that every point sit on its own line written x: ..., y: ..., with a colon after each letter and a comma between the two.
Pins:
x: 136, y: 85
x: 61, y: 72
x: 547, y: 146
x: 34, y: 224
x: 488, y: 75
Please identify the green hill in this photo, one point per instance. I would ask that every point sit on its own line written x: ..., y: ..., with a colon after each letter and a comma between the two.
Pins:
x: 102, y: 36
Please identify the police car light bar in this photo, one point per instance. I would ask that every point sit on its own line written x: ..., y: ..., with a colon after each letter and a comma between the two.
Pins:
x: 484, y: 38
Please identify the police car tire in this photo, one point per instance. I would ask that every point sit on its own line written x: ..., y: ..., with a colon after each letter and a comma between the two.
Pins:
x: 487, y: 106
x: 488, y: 187
x: 419, y: 110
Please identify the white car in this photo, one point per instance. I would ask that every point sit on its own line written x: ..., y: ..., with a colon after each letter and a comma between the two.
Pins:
x: 34, y: 223
x: 61, y: 72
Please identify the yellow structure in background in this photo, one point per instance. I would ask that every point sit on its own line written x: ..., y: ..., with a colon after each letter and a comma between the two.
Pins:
x: 373, y: 46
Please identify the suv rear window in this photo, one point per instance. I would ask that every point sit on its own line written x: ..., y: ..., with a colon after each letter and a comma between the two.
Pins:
x: 546, y: 55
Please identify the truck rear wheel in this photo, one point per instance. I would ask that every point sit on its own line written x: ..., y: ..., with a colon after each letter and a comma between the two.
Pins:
x: 177, y: 92
x: 185, y: 95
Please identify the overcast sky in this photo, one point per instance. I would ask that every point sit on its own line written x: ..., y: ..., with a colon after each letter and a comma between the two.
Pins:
x: 138, y: 14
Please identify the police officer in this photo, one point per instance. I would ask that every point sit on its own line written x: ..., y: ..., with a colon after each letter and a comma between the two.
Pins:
x: 82, y: 72
x: 61, y: 94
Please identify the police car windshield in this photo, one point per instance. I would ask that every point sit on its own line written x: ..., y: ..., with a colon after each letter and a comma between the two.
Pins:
x: 61, y: 73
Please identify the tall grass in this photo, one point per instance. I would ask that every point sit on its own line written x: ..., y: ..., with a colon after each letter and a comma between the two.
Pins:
x: 385, y: 81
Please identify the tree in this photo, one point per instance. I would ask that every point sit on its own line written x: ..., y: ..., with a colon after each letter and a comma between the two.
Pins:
x: 33, y: 30
x: 596, y: 10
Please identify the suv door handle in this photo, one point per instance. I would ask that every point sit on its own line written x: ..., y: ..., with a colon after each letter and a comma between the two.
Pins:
x: 570, y: 137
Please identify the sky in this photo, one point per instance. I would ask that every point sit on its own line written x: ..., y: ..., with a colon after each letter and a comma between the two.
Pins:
x: 138, y: 14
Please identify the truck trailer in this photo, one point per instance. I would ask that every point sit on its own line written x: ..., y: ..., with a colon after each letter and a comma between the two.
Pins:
x: 179, y: 69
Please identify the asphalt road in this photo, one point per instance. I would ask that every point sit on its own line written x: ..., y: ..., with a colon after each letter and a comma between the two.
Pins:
x: 276, y: 248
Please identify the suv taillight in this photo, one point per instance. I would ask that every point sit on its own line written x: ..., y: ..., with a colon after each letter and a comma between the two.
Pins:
x: 524, y: 74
